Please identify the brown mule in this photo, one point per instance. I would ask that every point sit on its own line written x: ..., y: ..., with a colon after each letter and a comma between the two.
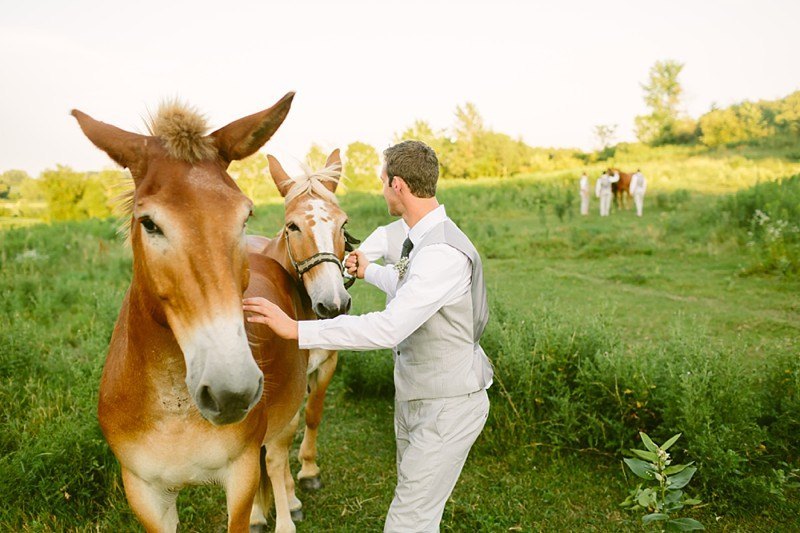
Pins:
x: 311, y: 248
x: 622, y: 188
x: 182, y: 399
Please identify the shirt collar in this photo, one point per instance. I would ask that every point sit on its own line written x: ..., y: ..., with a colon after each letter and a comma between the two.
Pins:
x: 426, y: 223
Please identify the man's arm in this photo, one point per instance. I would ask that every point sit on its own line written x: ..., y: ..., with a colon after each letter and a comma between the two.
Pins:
x: 375, y: 245
x: 439, y: 274
x: 382, y: 276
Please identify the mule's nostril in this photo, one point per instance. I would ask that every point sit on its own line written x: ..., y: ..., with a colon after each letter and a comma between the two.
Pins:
x: 321, y: 311
x: 347, y: 305
x: 259, y: 392
x: 206, y: 399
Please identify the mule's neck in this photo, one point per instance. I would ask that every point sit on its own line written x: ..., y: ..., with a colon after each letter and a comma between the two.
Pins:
x: 150, y: 337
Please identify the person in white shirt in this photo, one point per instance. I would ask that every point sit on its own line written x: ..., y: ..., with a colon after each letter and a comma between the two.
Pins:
x: 638, y: 188
x: 584, y: 188
x: 602, y: 190
x: 433, y: 323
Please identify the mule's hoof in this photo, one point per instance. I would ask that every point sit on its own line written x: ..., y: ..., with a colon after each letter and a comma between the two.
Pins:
x: 310, y: 483
x: 297, y: 515
x: 258, y: 528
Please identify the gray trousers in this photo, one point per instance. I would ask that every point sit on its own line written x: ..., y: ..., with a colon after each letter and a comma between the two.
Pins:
x: 433, y: 440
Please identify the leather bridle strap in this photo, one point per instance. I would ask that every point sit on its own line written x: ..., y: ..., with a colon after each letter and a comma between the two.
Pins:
x: 305, y: 265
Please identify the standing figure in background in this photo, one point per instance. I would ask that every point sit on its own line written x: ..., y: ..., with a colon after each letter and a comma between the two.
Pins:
x: 602, y: 190
x: 638, y: 188
x: 584, y: 187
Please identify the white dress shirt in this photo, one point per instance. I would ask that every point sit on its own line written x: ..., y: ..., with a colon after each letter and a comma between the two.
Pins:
x: 439, y: 275
x: 376, y: 245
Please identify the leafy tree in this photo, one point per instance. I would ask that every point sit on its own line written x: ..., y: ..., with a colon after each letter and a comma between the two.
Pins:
x: 788, y: 114
x: 663, y: 96
x: 316, y: 157
x: 10, y: 183
x: 735, y: 124
x: 605, y: 134
x: 74, y: 195
x: 361, y: 167
x: 252, y: 177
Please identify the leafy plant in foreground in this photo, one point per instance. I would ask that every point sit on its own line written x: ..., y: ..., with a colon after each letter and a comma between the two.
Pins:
x: 664, y: 495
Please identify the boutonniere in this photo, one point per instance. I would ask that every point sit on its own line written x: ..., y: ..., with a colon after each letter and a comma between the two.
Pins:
x: 401, y: 267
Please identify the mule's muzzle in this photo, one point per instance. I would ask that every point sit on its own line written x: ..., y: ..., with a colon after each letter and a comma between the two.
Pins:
x: 331, y: 310
x: 227, y: 405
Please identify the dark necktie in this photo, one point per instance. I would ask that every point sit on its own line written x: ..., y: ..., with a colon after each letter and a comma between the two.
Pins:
x: 407, y: 247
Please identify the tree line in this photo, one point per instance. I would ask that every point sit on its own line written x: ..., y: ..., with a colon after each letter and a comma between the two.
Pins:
x: 467, y: 149
x: 745, y: 122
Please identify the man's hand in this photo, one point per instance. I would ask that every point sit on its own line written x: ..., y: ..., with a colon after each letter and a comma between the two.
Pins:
x: 266, y: 312
x: 356, y: 264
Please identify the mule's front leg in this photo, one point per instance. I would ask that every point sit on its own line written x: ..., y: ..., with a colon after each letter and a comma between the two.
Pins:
x: 309, y: 475
x: 277, y: 460
x: 153, y: 505
x: 240, y: 489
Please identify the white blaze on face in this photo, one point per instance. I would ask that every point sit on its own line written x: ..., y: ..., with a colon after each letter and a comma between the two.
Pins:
x: 328, y: 277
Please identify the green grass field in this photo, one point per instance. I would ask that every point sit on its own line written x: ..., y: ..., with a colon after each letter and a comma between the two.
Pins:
x: 584, y: 310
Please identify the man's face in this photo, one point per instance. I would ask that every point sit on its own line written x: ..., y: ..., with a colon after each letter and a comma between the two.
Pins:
x: 389, y: 194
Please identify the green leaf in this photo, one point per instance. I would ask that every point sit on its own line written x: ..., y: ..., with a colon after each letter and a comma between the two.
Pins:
x: 685, y: 524
x: 673, y: 496
x: 648, y: 443
x: 674, y: 469
x: 647, y: 456
x: 670, y: 442
x: 682, y: 478
x: 640, y: 468
x: 646, y: 498
x: 692, y: 501
x: 654, y: 517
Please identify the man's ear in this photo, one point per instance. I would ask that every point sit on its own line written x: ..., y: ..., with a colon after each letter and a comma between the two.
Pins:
x: 398, y: 184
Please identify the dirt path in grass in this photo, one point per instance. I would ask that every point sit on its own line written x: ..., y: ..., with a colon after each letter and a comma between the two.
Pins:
x: 779, y: 317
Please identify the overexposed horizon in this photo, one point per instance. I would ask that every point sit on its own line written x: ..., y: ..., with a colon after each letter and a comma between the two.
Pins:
x: 367, y: 70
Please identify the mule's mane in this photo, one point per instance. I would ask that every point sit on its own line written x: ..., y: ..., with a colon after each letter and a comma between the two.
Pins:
x: 183, y: 130
x: 312, y: 182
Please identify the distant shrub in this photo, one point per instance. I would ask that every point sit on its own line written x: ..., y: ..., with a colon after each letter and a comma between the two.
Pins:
x: 767, y: 218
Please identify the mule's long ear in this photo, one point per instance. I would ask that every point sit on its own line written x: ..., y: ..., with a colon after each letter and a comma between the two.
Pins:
x: 335, y: 161
x: 245, y: 136
x: 279, y: 176
x: 126, y: 148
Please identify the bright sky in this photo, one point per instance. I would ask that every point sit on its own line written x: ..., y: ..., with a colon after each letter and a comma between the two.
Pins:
x: 363, y: 70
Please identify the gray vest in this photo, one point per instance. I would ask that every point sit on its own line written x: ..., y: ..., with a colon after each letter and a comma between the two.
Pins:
x: 443, y: 357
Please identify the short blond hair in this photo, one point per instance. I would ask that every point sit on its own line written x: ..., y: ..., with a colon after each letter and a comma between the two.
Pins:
x: 416, y: 163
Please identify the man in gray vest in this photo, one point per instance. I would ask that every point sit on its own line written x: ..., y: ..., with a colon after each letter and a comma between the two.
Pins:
x: 433, y: 322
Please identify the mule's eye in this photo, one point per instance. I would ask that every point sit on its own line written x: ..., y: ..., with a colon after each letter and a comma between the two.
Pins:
x: 291, y: 226
x: 150, y: 226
